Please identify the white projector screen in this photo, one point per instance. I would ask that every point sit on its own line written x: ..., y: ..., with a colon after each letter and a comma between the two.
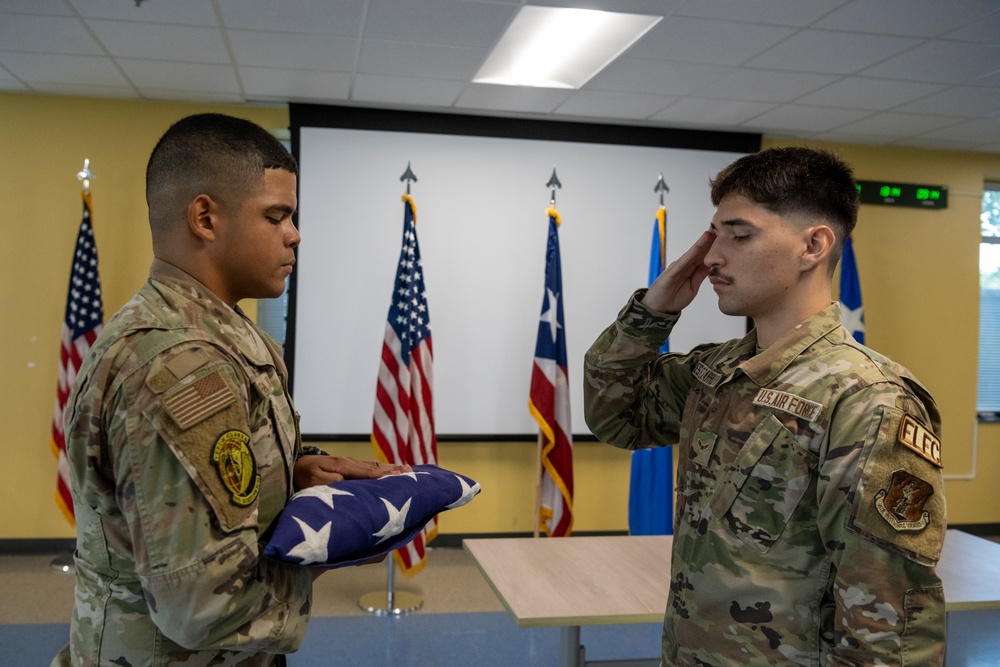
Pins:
x: 482, y: 230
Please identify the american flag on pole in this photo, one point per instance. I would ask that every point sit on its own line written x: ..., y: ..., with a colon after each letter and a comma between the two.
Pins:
x: 83, y: 320
x: 650, y: 499
x: 850, y: 293
x: 403, y: 424
x: 548, y: 398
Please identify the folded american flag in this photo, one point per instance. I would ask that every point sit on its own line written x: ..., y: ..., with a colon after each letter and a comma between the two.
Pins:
x: 359, y: 519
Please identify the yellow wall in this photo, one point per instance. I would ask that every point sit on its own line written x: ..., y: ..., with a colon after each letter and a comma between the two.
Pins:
x: 918, y: 270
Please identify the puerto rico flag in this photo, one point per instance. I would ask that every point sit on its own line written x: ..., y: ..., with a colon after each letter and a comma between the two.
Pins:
x: 549, y: 397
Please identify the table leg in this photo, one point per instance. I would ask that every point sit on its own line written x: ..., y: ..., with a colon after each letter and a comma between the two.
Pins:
x: 570, y: 650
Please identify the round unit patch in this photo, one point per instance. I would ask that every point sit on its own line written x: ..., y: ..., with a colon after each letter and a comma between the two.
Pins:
x: 237, y: 467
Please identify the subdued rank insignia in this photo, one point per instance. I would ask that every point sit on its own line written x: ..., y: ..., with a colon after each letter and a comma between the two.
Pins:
x: 902, y: 506
x: 237, y: 467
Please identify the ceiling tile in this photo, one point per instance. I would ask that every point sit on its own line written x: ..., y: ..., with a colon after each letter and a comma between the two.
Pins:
x: 893, y: 123
x: 194, y: 77
x: 13, y: 86
x: 46, y: 7
x: 342, y: 18
x: 405, y: 90
x: 904, y: 17
x: 764, y: 85
x: 46, y: 34
x: 511, y: 98
x: 832, y: 52
x: 985, y: 30
x: 639, y: 75
x: 158, y: 41
x: 795, y: 13
x: 48, y: 68
x: 940, y: 62
x: 707, y: 42
x: 714, y: 113
x: 958, y: 101
x: 264, y: 83
x: 864, y: 93
x: 180, y: 12
x: 440, y: 22
x: 647, y: 7
x: 604, y: 104
x: 801, y: 118
x: 971, y: 131
x: 419, y: 60
x: 276, y: 49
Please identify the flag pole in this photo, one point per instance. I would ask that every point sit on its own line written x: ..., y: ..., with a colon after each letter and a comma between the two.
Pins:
x: 552, y: 184
x: 402, y: 602
x: 64, y: 561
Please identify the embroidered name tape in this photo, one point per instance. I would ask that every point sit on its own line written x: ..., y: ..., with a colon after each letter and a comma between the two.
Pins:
x: 782, y: 400
x: 917, y: 437
x: 706, y: 375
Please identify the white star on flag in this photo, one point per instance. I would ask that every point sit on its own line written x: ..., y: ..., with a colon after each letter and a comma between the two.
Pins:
x: 551, y: 316
x: 323, y: 493
x: 313, y: 547
x: 854, y: 318
x: 396, y: 522
x: 467, y: 494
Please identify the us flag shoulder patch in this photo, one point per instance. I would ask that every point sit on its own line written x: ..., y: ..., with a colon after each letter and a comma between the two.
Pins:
x: 193, y: 403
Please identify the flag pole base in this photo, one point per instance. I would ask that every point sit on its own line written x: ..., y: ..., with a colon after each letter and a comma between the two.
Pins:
x: 64, y: 563
x: 379, y: 604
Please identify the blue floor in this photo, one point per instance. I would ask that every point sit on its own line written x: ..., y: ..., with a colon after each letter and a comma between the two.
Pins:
x: 481, y: 639
x: 427, y: 640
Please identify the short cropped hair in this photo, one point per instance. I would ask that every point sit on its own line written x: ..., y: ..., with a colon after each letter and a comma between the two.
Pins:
x: 796, y: 180
x: 212, y: 154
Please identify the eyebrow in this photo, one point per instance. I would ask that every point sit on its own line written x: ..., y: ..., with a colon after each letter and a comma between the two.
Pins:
x: 734, y: 223
x: 280, y: 208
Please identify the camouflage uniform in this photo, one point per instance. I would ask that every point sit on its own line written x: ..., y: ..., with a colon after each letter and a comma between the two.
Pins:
x: 809, y: 504
x: 181, y: 438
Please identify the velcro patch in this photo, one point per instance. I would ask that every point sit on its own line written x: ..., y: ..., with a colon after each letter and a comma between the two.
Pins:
x: 782, y: 400
x: 237, y: 467
x: 706, y: 375
x: 902, y: 505
x: 190, y: 404
x: 919, y: 438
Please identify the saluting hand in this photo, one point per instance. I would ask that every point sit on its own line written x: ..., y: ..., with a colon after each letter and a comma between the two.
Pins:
x: 678, y: 284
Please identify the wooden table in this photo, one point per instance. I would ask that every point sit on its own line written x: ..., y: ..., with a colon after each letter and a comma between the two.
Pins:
x: 575, y: 581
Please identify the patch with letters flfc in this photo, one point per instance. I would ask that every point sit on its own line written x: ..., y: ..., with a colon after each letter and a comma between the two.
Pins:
x: 902, y: 505
x: 237, y: 467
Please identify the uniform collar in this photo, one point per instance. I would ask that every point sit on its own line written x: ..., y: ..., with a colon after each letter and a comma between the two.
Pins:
x: 187, y: 294
x: 766, y: 366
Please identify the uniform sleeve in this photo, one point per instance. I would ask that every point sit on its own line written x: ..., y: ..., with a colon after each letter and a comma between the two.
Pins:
x: 189, y: 489
x: 633, y: 398
x: 882, y: 519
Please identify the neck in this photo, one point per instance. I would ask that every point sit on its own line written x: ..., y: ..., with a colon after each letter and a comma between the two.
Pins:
x: 772, y: 326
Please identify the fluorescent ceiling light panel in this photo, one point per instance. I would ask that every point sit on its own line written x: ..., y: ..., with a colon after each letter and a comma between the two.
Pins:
x: 554, y: 47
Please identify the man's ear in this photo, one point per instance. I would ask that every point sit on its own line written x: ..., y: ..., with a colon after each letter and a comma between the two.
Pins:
x: 203, y: 217
x: 819, y: 242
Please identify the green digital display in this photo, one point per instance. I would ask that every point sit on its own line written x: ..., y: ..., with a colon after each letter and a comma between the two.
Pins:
x: 903, y: 194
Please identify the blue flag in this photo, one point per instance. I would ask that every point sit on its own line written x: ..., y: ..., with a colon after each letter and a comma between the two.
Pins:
x: 651, y: 501
x: 850, y: 294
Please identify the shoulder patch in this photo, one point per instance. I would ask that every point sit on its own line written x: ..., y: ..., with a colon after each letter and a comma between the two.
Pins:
x: 190, y: 404
x: 919, y: 438
x: 902, y: 504
x: 237, y: 467
x: 187, y: 362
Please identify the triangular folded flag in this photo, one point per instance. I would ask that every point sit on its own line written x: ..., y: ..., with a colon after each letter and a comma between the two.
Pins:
x: 356, y: 520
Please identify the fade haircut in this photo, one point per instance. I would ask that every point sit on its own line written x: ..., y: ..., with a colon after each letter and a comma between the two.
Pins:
x: 796, y: 180
x: 213, y: 154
